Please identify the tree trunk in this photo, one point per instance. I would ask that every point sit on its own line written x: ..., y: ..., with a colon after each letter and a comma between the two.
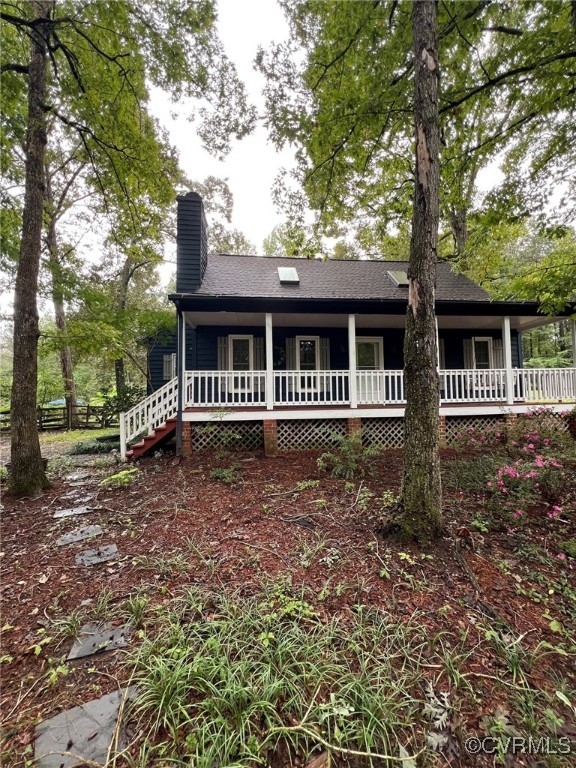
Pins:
x: 459, y: 226
x: 128, y: 269
x: 66, y: 365
x: 27, y: 476
x: 421, y: 503
x: 120, y: 375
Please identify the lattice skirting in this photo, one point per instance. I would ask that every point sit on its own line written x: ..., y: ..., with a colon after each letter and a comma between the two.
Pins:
x: 458, y: 427
x: 546, y: 418
x: 234, y: 435
x: 309, y: 434
x: 383, y: 433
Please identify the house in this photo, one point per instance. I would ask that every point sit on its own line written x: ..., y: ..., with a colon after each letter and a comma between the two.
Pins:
x: 285, y: 352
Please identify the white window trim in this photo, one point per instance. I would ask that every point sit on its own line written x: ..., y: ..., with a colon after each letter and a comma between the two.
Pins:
x: 308, y: 338
x: 380, y: 341
x: 240, y: 337
x: 490, y: 341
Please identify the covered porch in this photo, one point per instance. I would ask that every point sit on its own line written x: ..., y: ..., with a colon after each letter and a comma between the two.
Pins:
x: 284, y: 360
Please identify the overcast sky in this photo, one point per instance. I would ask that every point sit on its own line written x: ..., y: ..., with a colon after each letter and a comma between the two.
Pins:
x: 253, y: 162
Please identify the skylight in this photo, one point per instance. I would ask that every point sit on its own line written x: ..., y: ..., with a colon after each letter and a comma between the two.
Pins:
x: 398, y: 277
x: 288, y: 276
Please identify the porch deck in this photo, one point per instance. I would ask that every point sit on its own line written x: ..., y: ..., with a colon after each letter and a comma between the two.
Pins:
x: 265, y: 395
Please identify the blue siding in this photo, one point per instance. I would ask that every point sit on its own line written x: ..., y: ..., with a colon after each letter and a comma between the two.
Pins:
x: 202, y: 346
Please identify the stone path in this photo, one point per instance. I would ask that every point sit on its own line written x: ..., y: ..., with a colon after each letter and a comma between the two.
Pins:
x: 97, y: 638
x: 84, y: 732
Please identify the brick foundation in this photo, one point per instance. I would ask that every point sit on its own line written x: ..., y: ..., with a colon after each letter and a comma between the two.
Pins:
x: 270, y: 437
x: 187, y: 433
x: 354, y: 427
x: 442, y: 436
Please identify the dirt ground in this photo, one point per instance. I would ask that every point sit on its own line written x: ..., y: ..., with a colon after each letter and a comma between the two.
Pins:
x: 175, y: 525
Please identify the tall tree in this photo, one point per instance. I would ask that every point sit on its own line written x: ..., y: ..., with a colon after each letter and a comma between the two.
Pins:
x: 421, y: 514
x: 102, y: 55
x: 339, y: 90
x: 27, y: 471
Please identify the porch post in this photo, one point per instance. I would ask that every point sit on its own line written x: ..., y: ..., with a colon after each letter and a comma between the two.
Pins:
x: 269, y: 363
x: 573, y: 327
x: 181, y: 364
x: 352, y: 361
x: 507, y: 344
x: 437, y: 344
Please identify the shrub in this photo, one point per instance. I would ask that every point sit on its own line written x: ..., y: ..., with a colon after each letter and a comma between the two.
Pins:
x: 349, y: 459
x: 227, y: 475
x: 93, y: 446
x: 121, y: 401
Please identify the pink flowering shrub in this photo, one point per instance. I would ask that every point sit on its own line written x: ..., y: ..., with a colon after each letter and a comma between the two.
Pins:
x: 538, y: 430
x: 527, y: 485
x: 473, y: 437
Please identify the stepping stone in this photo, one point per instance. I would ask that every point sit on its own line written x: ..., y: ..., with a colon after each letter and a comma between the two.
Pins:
x: 81, y: 483
x: 72, y: 512
x: 100, y: 555
x: 85, y: 731
x: 97, y: 638
x: 79, y: 534
x: 77, y: 476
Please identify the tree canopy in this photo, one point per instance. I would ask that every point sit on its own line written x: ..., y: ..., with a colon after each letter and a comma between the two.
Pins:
x: 338, y: 91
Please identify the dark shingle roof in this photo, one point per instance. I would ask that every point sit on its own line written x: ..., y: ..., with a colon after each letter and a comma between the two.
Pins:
x: 257, y: 277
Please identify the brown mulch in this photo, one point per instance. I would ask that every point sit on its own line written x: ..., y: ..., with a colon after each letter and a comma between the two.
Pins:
x: 173, y: 518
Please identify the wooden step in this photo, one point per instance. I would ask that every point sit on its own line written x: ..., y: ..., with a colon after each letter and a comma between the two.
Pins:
x: 149, y: 441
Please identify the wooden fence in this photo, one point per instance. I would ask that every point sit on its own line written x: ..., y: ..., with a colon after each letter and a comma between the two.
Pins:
x: 61, y: 417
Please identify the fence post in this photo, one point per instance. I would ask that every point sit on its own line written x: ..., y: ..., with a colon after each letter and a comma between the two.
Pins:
x: 122, y: 437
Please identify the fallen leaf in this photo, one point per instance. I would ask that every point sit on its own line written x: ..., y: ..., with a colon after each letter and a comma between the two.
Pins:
x: 43, y: 578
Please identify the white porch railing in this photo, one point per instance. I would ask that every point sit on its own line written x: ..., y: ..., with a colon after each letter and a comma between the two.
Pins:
x: 311, y: 387
x: 150, y: 413
x: 376, y: 387
x: 544, y: 384
x: 472, y: 386
x: 219, y: 389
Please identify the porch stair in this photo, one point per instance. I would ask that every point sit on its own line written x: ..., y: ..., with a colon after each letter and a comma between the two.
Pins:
x: 150, y: 421
x: 149, y: 441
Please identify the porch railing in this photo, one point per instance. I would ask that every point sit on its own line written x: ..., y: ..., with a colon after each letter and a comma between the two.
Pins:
x: 219, y: 389
x: 542, y: 385
x: 150, y: 413
x: 311, y: 387
x: 475, y: 385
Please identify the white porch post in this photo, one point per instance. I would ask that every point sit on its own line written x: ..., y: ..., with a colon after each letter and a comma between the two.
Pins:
x: 573, y: 343
x: 437, y: 345
x: 269, y: 363
x: 507, y: 344
x: 352, y: 361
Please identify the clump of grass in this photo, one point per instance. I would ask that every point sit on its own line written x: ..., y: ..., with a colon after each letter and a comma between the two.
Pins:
x: 93, y: 446
x: 241, y: 682
x: 227, y: 475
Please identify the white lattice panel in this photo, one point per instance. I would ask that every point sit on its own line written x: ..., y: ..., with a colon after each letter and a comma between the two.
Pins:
x: 462, y: 427
x: 383, y: 433
x: 545, y: 419
x: 235, y: 435
x: 309, y: 434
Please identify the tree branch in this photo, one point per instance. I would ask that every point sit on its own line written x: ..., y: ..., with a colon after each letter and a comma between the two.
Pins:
x: 20, y: 68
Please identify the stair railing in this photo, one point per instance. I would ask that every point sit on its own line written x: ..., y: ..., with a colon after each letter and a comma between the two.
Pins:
x: 150, y: 413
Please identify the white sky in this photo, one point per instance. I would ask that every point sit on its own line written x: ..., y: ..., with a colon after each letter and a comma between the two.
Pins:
x: 253, y: 162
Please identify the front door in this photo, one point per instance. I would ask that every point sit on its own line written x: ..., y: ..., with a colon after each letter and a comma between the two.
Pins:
x: 307, y: 360
x: 369, y: 358
x: 241, y: 359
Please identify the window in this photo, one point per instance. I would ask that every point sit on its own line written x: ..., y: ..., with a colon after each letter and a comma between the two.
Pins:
x: 307, y: 353
x: 169, y: 367
x: 482, y: 352
x: 369, y: 353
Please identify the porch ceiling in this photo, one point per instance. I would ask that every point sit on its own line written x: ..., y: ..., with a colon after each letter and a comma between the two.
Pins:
x: 311, y: 320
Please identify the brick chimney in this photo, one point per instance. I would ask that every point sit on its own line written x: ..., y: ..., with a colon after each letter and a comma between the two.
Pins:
x: 191, y: 243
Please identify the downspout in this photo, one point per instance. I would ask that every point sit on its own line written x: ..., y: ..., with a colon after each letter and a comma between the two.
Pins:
x: 180, y: 365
